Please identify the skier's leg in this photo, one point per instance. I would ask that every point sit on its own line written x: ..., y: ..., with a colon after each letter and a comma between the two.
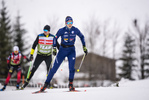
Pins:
x: 36, y: 64
x: 48, y: 60
x: 58, y: 60
x: 51, y: 73
x: 71, y: 60
x: 11, y: 70
x: 18, y: 76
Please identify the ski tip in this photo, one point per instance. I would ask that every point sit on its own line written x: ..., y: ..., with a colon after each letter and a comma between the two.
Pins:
x: 39, y: 92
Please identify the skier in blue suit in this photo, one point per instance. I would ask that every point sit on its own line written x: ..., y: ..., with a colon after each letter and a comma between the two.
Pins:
x: 67, y: 49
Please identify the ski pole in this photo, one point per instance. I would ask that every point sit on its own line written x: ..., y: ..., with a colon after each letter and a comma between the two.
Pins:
x: 29, y: 69
x: 81, y: 63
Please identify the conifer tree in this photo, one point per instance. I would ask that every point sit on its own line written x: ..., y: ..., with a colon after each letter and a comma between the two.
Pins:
x: 19, y: 38
x: 5, y: 39
x: 142, y: 35
x: 19, y: 32
x: 128, y: 58
x: 146, y: 57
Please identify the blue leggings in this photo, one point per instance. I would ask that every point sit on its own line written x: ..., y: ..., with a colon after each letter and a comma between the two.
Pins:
x: 63, y: 52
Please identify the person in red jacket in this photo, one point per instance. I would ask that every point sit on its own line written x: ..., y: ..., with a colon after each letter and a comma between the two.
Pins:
x: 14, y: 64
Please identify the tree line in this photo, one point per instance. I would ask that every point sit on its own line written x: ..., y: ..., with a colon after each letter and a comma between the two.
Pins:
x: 136, y: 52
x: 10, y: 35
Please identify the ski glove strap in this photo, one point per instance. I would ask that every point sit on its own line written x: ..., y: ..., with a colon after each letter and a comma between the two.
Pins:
x: 85, y: 50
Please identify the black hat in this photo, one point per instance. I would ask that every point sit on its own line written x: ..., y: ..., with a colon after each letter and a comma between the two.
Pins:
x: 47, y: 27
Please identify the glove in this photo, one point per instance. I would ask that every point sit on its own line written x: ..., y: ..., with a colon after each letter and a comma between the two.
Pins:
x: 31, y: 57
x: 11, y: 70
x: 54, y: 51
x: 85, y: 50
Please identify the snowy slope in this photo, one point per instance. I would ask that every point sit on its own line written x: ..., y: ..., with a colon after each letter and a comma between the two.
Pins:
x: 135, y: 90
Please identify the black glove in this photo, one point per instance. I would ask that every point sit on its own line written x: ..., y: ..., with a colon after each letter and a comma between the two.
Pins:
x: 31, y: 58
x: 85, y: 50
x: 54, y: 51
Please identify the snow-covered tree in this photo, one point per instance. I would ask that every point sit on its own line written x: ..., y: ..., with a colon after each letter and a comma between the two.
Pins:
x: 141, y: 33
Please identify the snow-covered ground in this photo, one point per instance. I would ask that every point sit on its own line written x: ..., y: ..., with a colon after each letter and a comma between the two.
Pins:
x: 127, y: 90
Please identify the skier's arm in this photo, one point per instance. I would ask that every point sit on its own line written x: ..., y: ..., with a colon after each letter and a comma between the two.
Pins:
x: 34, y: 45
x: 83, y: 41
x: 8, y: 61
x: 55, y: 43
x: 81, y: 36
x: 25, y: 57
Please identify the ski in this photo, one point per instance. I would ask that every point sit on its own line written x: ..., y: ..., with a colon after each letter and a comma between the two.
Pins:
x: 39, y: 92
x: 16, y: 89
x: 76, y: 91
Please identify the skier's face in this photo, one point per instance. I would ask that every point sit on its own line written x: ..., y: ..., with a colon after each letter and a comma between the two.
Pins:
x: 16, y: 52
x: 69, y: 23
x: 46, y: 32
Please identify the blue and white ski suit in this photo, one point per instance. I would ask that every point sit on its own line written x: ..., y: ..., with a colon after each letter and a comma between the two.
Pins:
x: 67, y: 49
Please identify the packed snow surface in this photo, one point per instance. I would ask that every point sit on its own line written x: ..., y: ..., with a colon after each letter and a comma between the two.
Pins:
x: 127, y: 90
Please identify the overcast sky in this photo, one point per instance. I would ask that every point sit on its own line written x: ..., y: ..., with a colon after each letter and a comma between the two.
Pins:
x: 34, y: 12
